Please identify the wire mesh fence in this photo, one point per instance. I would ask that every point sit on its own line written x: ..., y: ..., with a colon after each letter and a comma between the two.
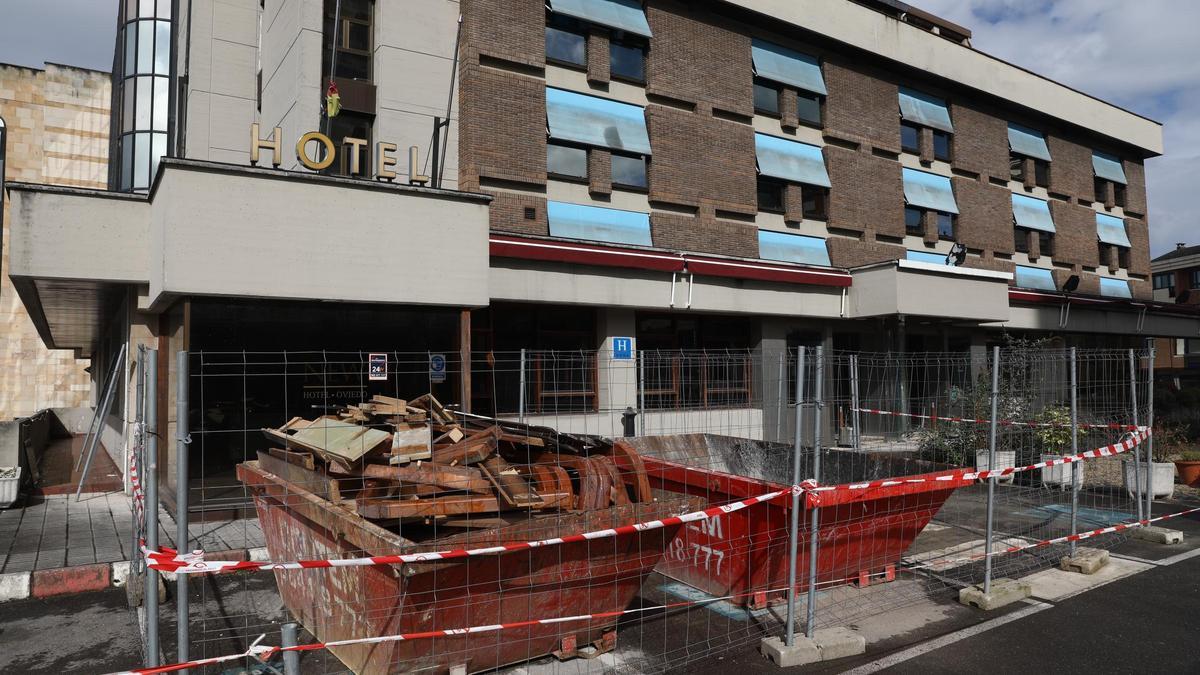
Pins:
x: 475, y: 488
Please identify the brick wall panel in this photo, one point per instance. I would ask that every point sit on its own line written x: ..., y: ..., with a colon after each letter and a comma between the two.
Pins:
x: 693, y: 58
x: 845, y: 252
x: 704, y: 235
x: 860, y: 107
x: 1139, y: 252
x: 512, y: 30
x: 1075, y: 240
x: 980, y: 142
x: 597, y: 57
x: 507, y: 213
x: 502, y: 132
x: 1070, y: 168
x: 993, y: 264
x: 985, y: 218
x: 700, y: 159
x: 867, y: 193
x: 1141, y: 289
x: 599, y: 171
x: 1135, y: 191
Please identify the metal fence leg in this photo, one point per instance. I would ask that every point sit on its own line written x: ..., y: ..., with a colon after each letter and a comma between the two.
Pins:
x: 789, y: 636
x: 991, y: 491
x: 855, y: 404
x: 1074, y: 450
x: 810, y: 623
x: 291, y: 659
x: 1137, y: 450
x: 182, y: 439
x: 151, y: 478
x: 1150, y: 423
x: 139, y: 444
x: 521, y: 391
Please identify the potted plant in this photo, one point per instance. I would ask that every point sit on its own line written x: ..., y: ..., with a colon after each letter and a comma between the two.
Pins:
x: 1055, y: 440
x: 1169, y: 441
x: 1188, y: 466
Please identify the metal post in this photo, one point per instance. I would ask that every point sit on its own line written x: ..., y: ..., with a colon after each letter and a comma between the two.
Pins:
x: 151, y: 478
x: 521, y: 393
x: 181, y: 491
x: 101, y: 415
x: 641, y: 389
x: 1074, y: 450
x: 789, y: 636
x: 781, y: 396
x: 1150, y: 424
x: 139, y: 445
x: 854, y: 403
x: 991, y: 491
x: 1137, y: 450
x: 810, y: 622
x: 291, y: 658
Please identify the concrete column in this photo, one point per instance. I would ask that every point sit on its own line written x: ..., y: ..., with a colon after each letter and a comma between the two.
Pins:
x: 778, y: 421
x: 617, y: 379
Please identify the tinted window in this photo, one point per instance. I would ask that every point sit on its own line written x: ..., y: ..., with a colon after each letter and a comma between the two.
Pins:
x: 629, y: 171
x: 1016, y: 168
x: 1119, y: 194
x: 770, y: 195
x: 1021, y: 240
x: 945, y: 223
x: 1045, y: 243
x: 566, y: 47
x: 941, y: 145
x: 766, y: 97
x: 910, y: 137
x: 809, y: 108
x: 1041, y: 172
x: 562, y: 160
x: 912, y: 220
x: 627, y: 61
x: 1123, y: 257
x: 1101, y: 187
x: 815, y: 199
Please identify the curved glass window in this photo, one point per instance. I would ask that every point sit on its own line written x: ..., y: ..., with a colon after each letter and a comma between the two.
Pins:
x: 143, y: 93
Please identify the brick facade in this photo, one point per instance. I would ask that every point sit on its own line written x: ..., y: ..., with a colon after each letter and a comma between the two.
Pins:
x: 1135, y: 191
x: 502, y: 132
x: 1070, y: 168
x: 1139, y: 251
x: 694, y: 59
x: 510, y: 30
x: 701, y: 160
x: 1075, y: 238
x: 980, y: 142
x: 985, y: 215
x: 704, y: 234
x: 861, y: 108
x: 599, y: 172
x: 844, y: 252
x: 867, y: 193
x: 507, y: 213
x: 597, y: 57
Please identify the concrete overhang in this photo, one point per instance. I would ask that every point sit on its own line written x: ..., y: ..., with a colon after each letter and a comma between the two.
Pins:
x: 1055, y: 312
x: 911, y: 288
x: 225, y: 230
x: 864, y: 28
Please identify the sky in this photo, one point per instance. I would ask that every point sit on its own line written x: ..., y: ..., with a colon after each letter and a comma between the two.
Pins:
x: 1143, y: 56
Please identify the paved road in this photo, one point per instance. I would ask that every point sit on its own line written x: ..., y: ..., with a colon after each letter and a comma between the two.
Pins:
x: 86, y: 633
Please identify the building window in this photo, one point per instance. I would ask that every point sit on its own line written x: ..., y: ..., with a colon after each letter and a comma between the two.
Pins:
x: 353, y: 38
x: 1118, y: 194
x: 566, y: 161
x: 566, y: 41
x: 1101, y: 189
x: 1165, y: 280
x: 914, y: 221
x: 816, y: 202
x: 143, y: 92
x: 692, y: 362
x: 627, y: 59
x: 946, y: 224
x: 1016, y: 168
x: 629, y: 171
x: 1021, y: 240
x: 941, y: 145
x: 1041, y: 173
x: 808, y: 106
x: 1123, y: 257
x: 1195, y: 279
x: 1104, y: 254
x: 1045, y: 243
x: 770, y: 195
x: 910, y: 137
x: 351, y: 125
x: 766, y: 97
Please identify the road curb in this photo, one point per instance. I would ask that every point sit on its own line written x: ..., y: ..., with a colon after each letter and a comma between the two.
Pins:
x: 87, y: 578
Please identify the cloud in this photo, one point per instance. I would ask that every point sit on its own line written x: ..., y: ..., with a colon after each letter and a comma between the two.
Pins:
x: 1142, y: 56
x: 72, y: 32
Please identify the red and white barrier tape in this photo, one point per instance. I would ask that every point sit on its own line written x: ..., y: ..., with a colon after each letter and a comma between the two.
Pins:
x: 1003, y: 423
x: 168, y: 560
x: 1080, y: 536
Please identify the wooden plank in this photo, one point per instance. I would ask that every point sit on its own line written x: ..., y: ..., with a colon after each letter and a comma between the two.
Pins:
x: 424, y: 508
x: 303, y: 459
x: 472, y: 449
x: 447, y: 477
x: 313, y: 481
x: 410, y: 444
x: 513, y: 489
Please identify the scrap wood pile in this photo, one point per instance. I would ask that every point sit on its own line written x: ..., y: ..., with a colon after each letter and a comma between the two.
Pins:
x: 416, y: 460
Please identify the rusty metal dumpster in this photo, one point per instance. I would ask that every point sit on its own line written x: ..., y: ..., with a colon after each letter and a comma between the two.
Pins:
x: 863, y: 532
x: 555, y: 581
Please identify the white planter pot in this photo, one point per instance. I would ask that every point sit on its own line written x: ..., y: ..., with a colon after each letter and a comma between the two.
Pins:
x: 1163, y: 474
x: 1004, y: 460
x: 1059, y: 475
x: 10, y: 488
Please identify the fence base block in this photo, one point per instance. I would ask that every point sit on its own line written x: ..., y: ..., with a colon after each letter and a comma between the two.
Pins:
x: 1158, y: 535
x: 1004, y: 592
x: 826, y: 644
x: 1085, y: 560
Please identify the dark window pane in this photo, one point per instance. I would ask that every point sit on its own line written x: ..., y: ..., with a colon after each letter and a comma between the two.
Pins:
x: 809, y: 108
x: 126, y: 162
x: 566, y: 161
x: 913, y: 220
x: 770, y: 195
x: 1021, y: 240
x: 910, y: 137
x: 1123, y: 257
x: 358, y: 36
x: 1119, y: 194
x: 355, y: 9
x: 1103, y: 252
x: 353, y: 66
x: 766, y: 97
x: 131, y: 49
x: 814, y: 201
x: 1041, y: 172
x: 1045, y: 243
x: 627, y: 61
x: 945, y: 223
x: 629, y: 171
x: 1016, y: 168
x: 941, y: 145
x: 566, y: 47
x: 1101, y: 187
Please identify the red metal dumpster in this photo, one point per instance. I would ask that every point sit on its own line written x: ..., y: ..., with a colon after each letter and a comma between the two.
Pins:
x: 863, y: 533
x: 555, y: 581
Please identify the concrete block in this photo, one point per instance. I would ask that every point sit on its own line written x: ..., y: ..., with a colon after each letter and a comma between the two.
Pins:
x: 839, y: 642
x: 14, y: 586
x: 1003, y: 592
x: 1085, y: 560
x: 802, y: 652
x: 1158, y: 535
